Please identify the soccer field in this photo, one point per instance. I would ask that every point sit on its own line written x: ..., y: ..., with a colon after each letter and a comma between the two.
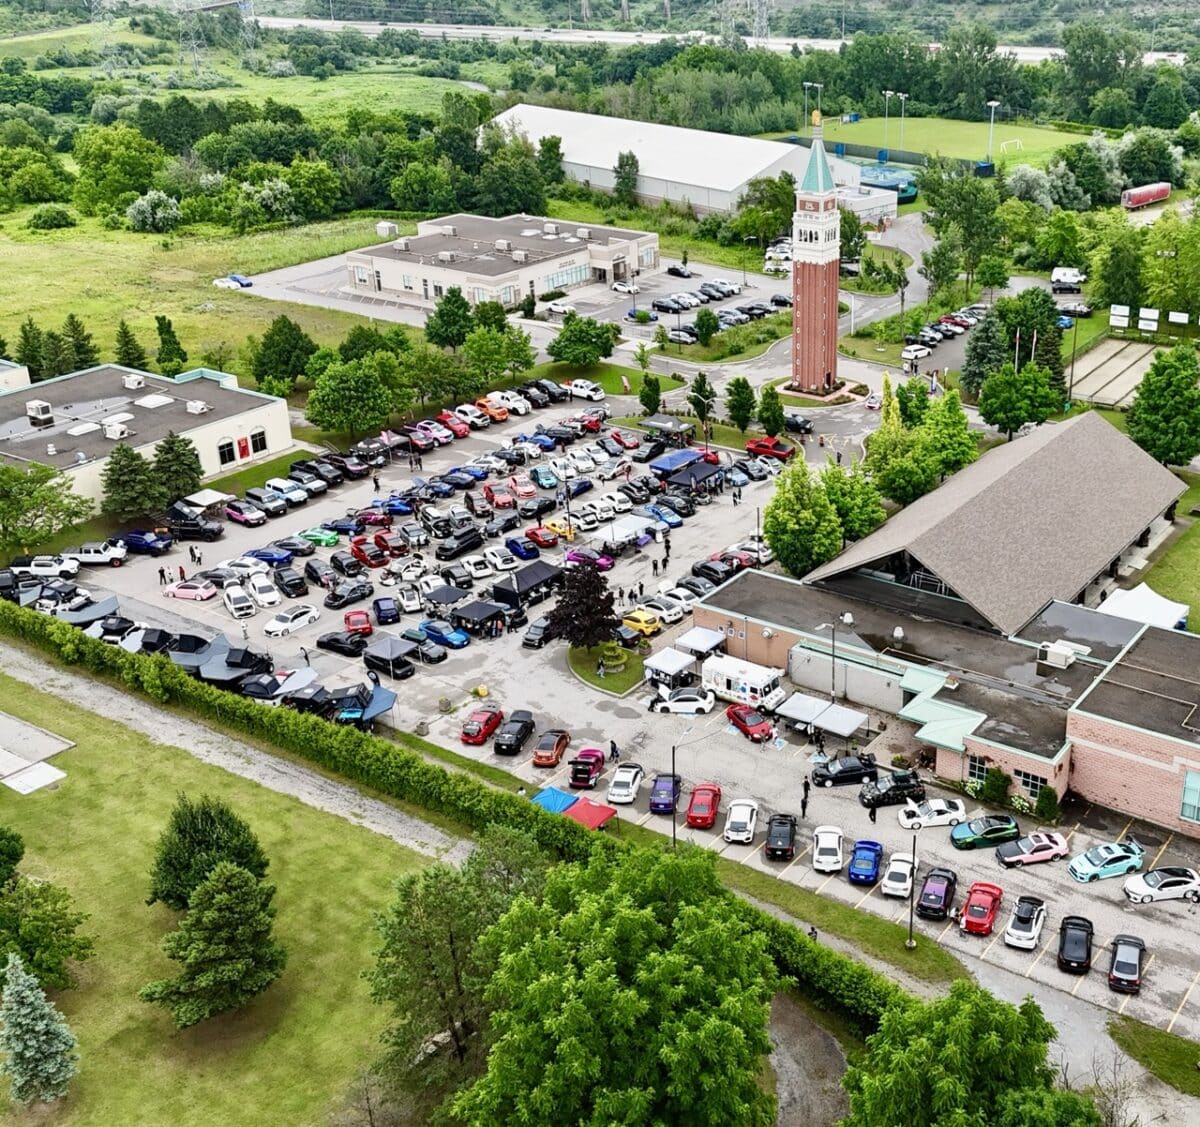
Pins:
x: 941, y: 136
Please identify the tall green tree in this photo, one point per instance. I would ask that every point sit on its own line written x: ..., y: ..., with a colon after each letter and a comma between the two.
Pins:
x: 171, y: 355
x: 360, y: 341
x: 29, y: 348
x: 1116, y: 267
x: 1164, y: 418
x: 650, y: 395
x: 224, y: 946
x: 940, y: 266
x: 38, y: 1045
x: 129, y: 351
x: 945, y: 435
x: 349, y: 399
x: 40, y: 923
x: 582, y: 341
x: 283, y: 351
x: 550, y: 160
x: 58, y: 356
x: 37, y: 502
x: 450, y: 322
x: 987, y: 351
x: 1011, y: 399
x: 707, y: 325
x: 625, y: 178
x: 116, y: 165
x: 177, y: 466
x: 584, y: 614
x: 519, y: 353
x: 912, y: 397
x: 491, y: 315
x: 701, y: 396
x: 131, y: 489
x: 852, y: 235
x: 854, y: 498
x: 87, y: 355
x: 770, y: 411
x: 800, y: 522
x: 740, y: 403
x: 681, y: 1035
x: 485, y: 352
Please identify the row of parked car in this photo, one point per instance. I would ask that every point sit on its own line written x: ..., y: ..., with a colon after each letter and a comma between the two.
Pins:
x: 921, y: 343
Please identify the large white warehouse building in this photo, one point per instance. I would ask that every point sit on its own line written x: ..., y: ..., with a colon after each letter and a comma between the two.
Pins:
x: 708, y: 170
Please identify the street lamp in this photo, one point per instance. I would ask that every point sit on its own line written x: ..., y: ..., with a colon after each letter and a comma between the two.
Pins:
x: 747, y: 239
x: 903, y: 99
x: 820, y: 86
x: 679, y: 743
x: 847, y: 620
x: 910, y: 943
x: 991, y: 126
x: 888, y: 95
x: 807, y: 121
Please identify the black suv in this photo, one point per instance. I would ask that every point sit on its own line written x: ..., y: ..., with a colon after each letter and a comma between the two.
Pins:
x: 347, y: 564
x: 459, y: 544
x: 350, y: 464
x: 539, y: 633
x: 845, y: 770
x: 329, y: 474
x: 194, y: 528
x: 781, y: 837
x: 893, y: 789
x: 797, y: 424
x: 320, y: 573
x: 514, y: 733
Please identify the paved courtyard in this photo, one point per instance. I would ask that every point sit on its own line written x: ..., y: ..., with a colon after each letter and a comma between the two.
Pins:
x: 1109, y: 374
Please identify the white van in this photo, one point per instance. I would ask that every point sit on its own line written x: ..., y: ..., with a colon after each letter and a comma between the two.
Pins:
x: 743, y: 682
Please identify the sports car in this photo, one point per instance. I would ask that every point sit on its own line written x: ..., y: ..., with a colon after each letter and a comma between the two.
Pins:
x: 270, y: 555
x: 1171, y: 883
x: 340, y: 642
x: 542, y: 536
x: 358, y: 622
x: 935, y: 812
x: 687, y: 700
x: 198, y: 590
x: 1114, y: 859
x: 992, y: 829
x: 482, y: 722
x: 521, y: 487
x: 437, y: 630
x: 1032, y: 850
x: 1025, y: 926
x: 979, y: 912
x: 865, y: 862
x: 297, y: 545
x: 704, y: 805
x: 346, y: 526
x: 741, y: 822
x: 827, y: 849
x: 899, y: 875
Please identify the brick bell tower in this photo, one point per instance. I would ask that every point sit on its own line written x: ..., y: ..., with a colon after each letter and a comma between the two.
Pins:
x: 816, y: 256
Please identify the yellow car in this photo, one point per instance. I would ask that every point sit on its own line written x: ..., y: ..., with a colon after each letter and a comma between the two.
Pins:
x: 645, y: 622
x: 562, y: 526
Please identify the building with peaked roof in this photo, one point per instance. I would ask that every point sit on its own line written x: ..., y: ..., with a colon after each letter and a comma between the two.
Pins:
x: 708, y: 170
x: 816, y: 259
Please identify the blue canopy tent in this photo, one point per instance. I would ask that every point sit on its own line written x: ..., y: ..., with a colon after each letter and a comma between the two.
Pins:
x: 554, y: 800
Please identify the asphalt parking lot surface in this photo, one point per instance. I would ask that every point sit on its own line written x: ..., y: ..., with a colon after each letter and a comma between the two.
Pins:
x: 707, y: 747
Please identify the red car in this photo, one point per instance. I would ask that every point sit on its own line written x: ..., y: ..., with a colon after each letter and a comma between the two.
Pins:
x: 770, y: 448
x: 955, y: 319
x: 392, y: 543
x: 737, y: 560
x: 590, y: 423
x: 357, y: 622
x: 367, y: 552
x: 750, y: 722
x: 373, y: 517
x: 586, y: 768
x: 522, y: 487
x: 704, y: 805
x: 622, y: 438
x: 711, y: 457
x: 498, y: 496
x: 542, y: 537
x: 981, y: 907
x: 479, y: 726
x: 453, y: 424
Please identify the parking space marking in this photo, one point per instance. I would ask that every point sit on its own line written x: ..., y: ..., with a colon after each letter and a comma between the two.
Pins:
x: 1121, y: 835
x: 1183, y: 1002
x: 983, y: 953
x: 757, y: 849
x: 645, y: 818
x: 793, y: 861
x: 1170, y: 838
x: 952, y: 921
x: 1045, y: 948
x: 826, y: 881
x: 858, y: 903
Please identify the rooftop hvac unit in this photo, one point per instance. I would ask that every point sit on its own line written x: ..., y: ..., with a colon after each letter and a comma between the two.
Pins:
x: 1057, y: 655
x: 197, y: 407
x: 583, y: 232
x: 39, y: 412
x: 549, y: 228
x: 401, y: 244
x: 131, y: 381
x: 504, y: 244
x: 386, y: 230
x: 450, y: 229
x: 445, y: 256
x: 116, y: 431
x: 520, y: 256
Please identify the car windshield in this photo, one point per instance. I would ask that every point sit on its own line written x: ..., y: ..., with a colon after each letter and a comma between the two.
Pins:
x: 1099, y: 855
x: 1154, y: 878
x: 1125, y: 963
x: 701, y: 807
x: 977, y: 911
x: 752, y: 718
x: 826, y: 850
x: 472, y: 728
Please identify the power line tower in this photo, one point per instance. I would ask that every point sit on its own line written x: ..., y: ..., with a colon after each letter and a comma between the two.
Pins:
x: 100, y: 16
x: 249, y: 34
x: 191, y: 35
x: 761, y: 12
x: 729, y: 14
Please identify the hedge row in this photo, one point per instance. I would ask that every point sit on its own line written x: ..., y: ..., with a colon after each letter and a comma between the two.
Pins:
x: 831, y: 979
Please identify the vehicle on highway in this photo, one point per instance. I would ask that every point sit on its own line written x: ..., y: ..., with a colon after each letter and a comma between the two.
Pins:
x: 1168, y: 883
x: 827, y: 849
x: 865, y: 861
x: 934, y: 812
x: 937, y: 894
x: 1025, y: 925
x: 1075, y: 935
x: 703, y: 806
x: 978, y: 916
x: 741, y: 821
x: 1127, y: 962
x: 1113, y: 859
x: 1032, y: 850
x: 991, y: 829
x: 899, y: 874
x: 625, y: 783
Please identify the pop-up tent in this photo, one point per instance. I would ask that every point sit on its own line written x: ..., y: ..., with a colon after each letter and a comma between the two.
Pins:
x: 554, y: 800
x: 701, y: 641
x: 1143, y: 604
x: 670, y: 667
x: 588, y: 813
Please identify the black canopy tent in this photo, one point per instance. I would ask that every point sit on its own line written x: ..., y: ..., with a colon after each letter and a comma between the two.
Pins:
x: 481, y: 617
x: 677, y: 432
x: 694, y: 476
x: 530, y: 584
x: 446, y: 596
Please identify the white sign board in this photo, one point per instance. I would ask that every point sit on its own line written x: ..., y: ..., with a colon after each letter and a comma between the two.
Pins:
x: 1148, y: 314
x: 1117, y: 322
x: 1147, y: 325
x: 1177, y: 318
x: 1120, y: 310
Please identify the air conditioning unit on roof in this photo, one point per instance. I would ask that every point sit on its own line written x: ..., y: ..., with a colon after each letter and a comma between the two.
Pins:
x: 131, y: 381
x: 115, y: 431
x: 583, y: 232
x: 520, y: 256
x: 504, y: 244
x: 39, y: 412
x: 401, y: 244
x: 197, y: 407
x: 550, y: 228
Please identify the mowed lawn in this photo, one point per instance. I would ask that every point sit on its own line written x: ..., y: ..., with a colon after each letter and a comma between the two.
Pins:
x: 289, y: 1056
x: 1176, y: 574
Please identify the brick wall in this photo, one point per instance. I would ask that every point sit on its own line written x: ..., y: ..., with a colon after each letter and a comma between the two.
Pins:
x: 952, y: 766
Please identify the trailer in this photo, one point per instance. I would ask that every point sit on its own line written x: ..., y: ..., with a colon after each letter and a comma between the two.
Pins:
x: 743, y: 682
x: 1133, y: 198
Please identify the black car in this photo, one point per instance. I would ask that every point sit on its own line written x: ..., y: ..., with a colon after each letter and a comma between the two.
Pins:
x: 457, y: 479
x: 898, y: 787
x: 636, y: 492
x: 386, y: 609
x: 1076, y: 309
x: 455, y: 575
x: 191, y: 527
x: 499, y: 525
x: 535, y: 507
x: 350, y: 464
x: 845, y: 771
x: 666, y: 305
x: 297, y: 545
x: 714, y: 292
x: 714, y: 571
x: 1075, y: 945
x: 352, y: 591
x: 539, y: 633
x: 431, y: 653
x: 346, y: 564
x: 751, y: 468
x: 937, y: 894
x: 328, y: 473
x: 753, y: 311
x: 514, y: 733
x: 510, y: 456
x: 1128, y: 960
x: 650, y: 449
x: 535, y: 393
x: 611, y: 447
x: 459, y: 544
x: 320, y: 573
x: 781, y: 300
x: 797, y: 424
x: 398, y: 668
x: 344, y: 643
x: 478, y: 505
x: 556, y: 392
x: 290, y: 582
x: 267, y: 500
x: 696, y: 584
x: 219, y: 577
x: 627, y: 637
x: 677, y: 502
x: 781, y: 837
x: 679, y: 272
x: 563, y: 435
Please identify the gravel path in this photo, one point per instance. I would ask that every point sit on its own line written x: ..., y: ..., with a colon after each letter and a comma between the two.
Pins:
x: 210, y: 746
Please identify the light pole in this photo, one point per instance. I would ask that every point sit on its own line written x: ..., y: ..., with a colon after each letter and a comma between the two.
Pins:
x: 820, y: 86
x: 1074, y: 342
x: 675, y: 746
x: 888, y: 95
x: 747, y: 239
x: 807, y: 121
x: 847, y: 620
x: 903, y: 100
x: 991, y: 126
x: 910, y: 943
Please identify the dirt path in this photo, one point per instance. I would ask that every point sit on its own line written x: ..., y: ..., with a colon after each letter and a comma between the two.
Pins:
x: 808, y: 1064
x: 210, y: 746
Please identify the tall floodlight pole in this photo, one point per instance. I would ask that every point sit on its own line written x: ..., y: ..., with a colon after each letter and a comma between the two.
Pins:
x: 888, y: 95
x: 903, y: 99
x: 991, y: 126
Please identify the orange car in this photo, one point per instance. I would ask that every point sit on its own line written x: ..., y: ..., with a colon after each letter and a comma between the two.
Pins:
x: 493, y: 412
x: 551, y: 747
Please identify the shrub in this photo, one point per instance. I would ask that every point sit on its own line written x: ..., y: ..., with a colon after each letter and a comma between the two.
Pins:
x: 155, y: 211
x: 552, y: 295
x: 995, y: 787
x: 1020, y: 804
x: 50, y: 217
x: 1046, y: 808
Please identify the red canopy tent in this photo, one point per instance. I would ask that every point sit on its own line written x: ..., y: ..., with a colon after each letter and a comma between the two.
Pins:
x: 589, y: 813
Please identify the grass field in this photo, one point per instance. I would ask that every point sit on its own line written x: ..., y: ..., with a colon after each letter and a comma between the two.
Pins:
x: 606, y: 374
x: 73, y: 38
x: 1176, y: 574
x: 1168, y: 1056
x: 583, y: 664
x: 285, y: 1058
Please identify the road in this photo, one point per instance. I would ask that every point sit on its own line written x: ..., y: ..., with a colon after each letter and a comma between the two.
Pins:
x: 581, y: 35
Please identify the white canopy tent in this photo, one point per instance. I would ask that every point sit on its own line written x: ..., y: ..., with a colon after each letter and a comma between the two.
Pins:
x: 670, y: 667
x: 700, y: 641
x: 813, y: 712
x: 1143, y: 604
x: 208, y: 497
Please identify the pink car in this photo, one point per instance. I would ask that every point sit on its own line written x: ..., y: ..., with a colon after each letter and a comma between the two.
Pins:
x: 598, y: 560
x: 586, y: 768
x: 1032, y: 850
x: 522, y: 487
x: 199, y: 590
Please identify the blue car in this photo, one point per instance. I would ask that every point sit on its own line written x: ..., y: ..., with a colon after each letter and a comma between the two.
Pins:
x: 241, y: 280
x: 477, y: 472
x: 147, y: 543
x: 664, y: 794
x: 633, y: 314
x: 736, y: 478
x: 270, y: 555
x: 522, y: 547
x: 444, y: 634
x: 396, y: 506
x: 544, y: 477
x: 865, y: 862
x: 669, y: 517
x: 580, y: 485
x: 387, y: 610
x: 457, y: 479
x: 1065, y: 322
x: 544, y: 441
x: 344, y: 526
x: 435, y: 487
x: 1113, y: 859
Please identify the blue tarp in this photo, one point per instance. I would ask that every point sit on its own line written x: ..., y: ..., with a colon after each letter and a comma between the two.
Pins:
x: 554, y: 800
x: 381, y: 700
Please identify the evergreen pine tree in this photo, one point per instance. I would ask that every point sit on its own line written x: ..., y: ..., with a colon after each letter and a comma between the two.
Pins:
x: 29, y: 348
x: 224, y: 947
x: 58, y: 356
x: 987, y: 350
x: 171, y: 355
x: 87, y: 355
x: 12, y: 849
x: 130, y: 352
x: 39, y: 1047
x: 177, y: 466
x: 131, y: 489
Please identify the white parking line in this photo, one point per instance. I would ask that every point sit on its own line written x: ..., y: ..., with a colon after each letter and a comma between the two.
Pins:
x: 952, y: 921
x: 1178, y: 1009
x: 1037, y: 960
x: 825, y: 881
x: 983, y: 953
x: 793, y: 861
x: 752, y: 853
x: 1125, y: 1000
x: 644, y: 818
x: 859, y: 902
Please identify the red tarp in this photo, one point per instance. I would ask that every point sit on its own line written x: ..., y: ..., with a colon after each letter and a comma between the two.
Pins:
x: 589, y: 813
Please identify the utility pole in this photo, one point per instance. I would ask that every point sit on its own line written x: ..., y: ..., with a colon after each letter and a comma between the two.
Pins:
x: 888, y: 95
x: 991, y: 126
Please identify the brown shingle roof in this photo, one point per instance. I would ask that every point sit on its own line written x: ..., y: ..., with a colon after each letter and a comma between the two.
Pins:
x: 1033, y: 520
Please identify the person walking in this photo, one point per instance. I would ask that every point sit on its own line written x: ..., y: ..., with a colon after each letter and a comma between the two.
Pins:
x: 420, y: 462
x: 375, y: 481
x: 641, y: 589
x: 162, y: 576
x: 806, y: 787
x: 654, y: 568
x: 871, y: 814
x: 804, y: 807
x: 620, y: 595
x: 304, y: 654
x: 245, y: 633
x: 199, y: 558
x: 666, y: 551
x: 614, y: 752
x: 192, y: 552
x: 182, y: 576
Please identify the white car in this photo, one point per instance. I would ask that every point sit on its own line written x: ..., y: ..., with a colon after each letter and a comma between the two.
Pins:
x: 934, y: 812
x: 915, y: 352
x: 490, y: 463
x: 402, y: 571
x: 619, y: 502
x: 226, y: 284
x: 292, y: 492
x: 684, y: 598
x: 262, y: 590
x: 741, y: 821
x: 562, y: 308
x: 1171, y: 883
x: 759, y: 549
x: 46, y: 567
x: 689, y: 701
x: 237, y: 602
x: 563, y: 469
x: 613, y: 469
x: 899, y: 875
x: 773, y: 466
x: 827, y: 849
x: 666, y: 609
x: 685, y: 299
x: 625, y: 783
x: 1024, y: 928
x: 108, y: 553
x: 246, y: 566
x: 472, y: 416
x: 581, y: 461
x: 515, y: 404
x: 427, y: 584
x: 501, y: 559
x: 409, y: 599
x: 292, y: 619
x: 585, y: 521
x: 585, y: 389
x: 735, y: 286
x: 626, y: 287
x: 477, y: 567
x: 531, y: 450
x: 603, y: 508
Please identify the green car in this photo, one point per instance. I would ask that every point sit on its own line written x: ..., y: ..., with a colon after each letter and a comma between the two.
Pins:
x: 995, y: 829
x: 325, y: 537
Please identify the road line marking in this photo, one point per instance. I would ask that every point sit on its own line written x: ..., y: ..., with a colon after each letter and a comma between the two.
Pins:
x: 1183, y: 1003
x: 1154, y: 863
x: 983, y: 953
x: 1122, y: 834
x: 1078, y: 984
x: 793, y: 861
x: 825, y: 881
x: 869, y: 891
x: 753, y: 852
x: 948, y: 926
x: 1045, y: 948
x: 645, y: 818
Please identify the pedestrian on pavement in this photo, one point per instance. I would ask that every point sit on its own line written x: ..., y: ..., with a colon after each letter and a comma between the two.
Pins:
x: 182, y: 577
x: 162, y: 576
x: 804, y: 807
x: 812, y: 934
x: 192, y: 552
x: 614, y: 752
x: 654, y: 568
x: 199, y: 558
x: 245, y: 633
x: 666, y: 551
x: 420, y: 463
x: 304, y: 654
x: 628, y: 472
x: 806, y: 790
x: 375, y: 481
x: 735, y: 498
x: 600, y: 669
x: 871, y: 814
x: 641, y: 589
x: 620, y: 595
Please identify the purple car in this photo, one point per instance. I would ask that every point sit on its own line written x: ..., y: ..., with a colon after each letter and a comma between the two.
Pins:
x: 664, y: 794
x: 598, y: 560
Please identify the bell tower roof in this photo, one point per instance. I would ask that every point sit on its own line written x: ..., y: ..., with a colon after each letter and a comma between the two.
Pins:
x: 818, y: 179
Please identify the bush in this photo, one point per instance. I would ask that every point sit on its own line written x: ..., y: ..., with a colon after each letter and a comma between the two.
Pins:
x: 995, y: 787
x: 50, y: 217
x: 552, y: 295
x: 155, y: 211
x: 1046, y: 808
